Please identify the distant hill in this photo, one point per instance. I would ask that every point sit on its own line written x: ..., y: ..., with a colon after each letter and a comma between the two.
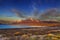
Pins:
x: 31, y: 22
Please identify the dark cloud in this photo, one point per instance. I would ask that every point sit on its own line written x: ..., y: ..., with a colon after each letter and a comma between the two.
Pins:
x: 19, y: 13
x: 54, y: 12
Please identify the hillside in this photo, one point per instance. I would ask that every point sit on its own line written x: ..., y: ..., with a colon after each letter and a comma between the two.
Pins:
x: 31, y: 22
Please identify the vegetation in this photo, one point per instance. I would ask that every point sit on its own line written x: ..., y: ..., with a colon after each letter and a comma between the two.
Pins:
x: 52, y: 37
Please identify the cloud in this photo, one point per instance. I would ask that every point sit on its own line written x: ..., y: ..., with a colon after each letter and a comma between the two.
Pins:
x: 19, y: 13
x: 50, y: 13
x: 35, y: 11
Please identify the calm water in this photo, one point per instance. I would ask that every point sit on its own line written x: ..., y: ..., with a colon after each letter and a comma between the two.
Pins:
x: 12, y: 26
x: 16, y: 26
x: 20, y: 26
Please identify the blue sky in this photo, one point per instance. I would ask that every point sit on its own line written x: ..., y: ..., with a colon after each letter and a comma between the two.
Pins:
x: 26, y: 5
x: 6, y: 7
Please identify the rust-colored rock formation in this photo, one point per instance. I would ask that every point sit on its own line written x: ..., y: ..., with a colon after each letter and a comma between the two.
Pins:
x: 32, y: 22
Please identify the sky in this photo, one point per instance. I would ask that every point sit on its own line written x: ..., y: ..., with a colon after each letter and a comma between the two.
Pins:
x: 26, y: 6
x: 6, y: 7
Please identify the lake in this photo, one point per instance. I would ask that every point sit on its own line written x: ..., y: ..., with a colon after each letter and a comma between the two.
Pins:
x: 24, y: 26
x: 12, y: 26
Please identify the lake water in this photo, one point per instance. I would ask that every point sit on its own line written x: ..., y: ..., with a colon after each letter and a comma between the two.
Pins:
x: 16, y: 26
x: 12, y: 26
x: 20, y: 26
